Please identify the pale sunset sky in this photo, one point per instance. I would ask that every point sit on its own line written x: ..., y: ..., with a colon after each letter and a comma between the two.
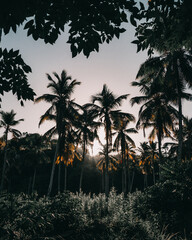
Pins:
x: 116, y: 64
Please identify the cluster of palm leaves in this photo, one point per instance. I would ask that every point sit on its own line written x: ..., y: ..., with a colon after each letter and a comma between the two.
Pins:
x: 164, y: 81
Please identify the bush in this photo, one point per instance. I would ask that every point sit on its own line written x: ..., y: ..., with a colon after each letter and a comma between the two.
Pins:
x: 164, y: 205
x: 80, y: 216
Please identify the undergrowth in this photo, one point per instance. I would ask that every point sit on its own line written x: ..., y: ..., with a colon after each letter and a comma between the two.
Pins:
x: 72, y: 216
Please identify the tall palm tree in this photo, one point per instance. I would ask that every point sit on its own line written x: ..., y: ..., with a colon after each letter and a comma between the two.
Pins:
x: 67, y: 156
x: 62, y: 110
x: 122, y: 141
x: 169, y: 73
x: 7, y: 122
x: 157, y: 114
x: 187, y: 136
x: 144, y: 161
x: 153, y: 157
x: 102, y: 164
x: 86, y: 133
x: 187, y: 141
x: 130, y: 156
x: 106, y: 106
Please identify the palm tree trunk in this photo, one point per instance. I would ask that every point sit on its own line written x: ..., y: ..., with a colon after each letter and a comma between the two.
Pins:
x: 53, y: 169
x: 4, y: 162
x: 180, y: 138
x: 124, y: 175
x: 145, y: 180
x: 122, y: 180
x: 103, y: 181
x: 128, y: 175
x: 154, y: 181
x: 65, y: 179
x: 82, y: 168
x: 129, y: 178
x: 189, y: 148
x: 107, y: 164
x: 153, y: 166
x: 160, y: 153
x: 131, y: 185
x: 81, y: 178
x: 59, y: 178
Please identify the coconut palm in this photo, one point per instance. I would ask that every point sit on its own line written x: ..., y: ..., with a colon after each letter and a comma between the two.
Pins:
x: 187, y: 141
x: 144, y: 161
x: 169, y: 73
x: 187, y: 136
x: 130, y: 157
x: 153, y: 157
x: 62, y: 110
x: 102, y: 164
x: 122, y: 141
x: 107, y: 102
x: 68, y: 154
x: 157, y: 114
x: 8, y: 122
x: 86, y: 133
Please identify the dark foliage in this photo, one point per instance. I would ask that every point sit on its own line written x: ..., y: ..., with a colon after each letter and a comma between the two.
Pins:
x: 90, y: 22
x: 170, y: 200
x: 13, y: 75
x: 166, y: 25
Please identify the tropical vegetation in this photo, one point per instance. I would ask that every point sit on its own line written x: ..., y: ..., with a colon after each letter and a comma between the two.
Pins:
x: 51, y: 186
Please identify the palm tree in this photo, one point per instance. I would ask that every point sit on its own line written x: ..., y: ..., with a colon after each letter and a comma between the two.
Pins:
x: 144, y: 161
x: 102, y: 164
x: 7, y: 122
x: 122, y: 141
x: 169, y: 73
x: 157, y: 114
x: 62, y: 110
x: 67, y: 156
x: 187, y: 141
x: 86, y: 133
x: 107, y: 103
x: 153, y: 157
x: 130, y: 156
x: 34, y: 146
x: 187, y: 136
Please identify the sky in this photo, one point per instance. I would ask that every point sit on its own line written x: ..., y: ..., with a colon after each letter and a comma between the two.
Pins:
x: 116, y: 64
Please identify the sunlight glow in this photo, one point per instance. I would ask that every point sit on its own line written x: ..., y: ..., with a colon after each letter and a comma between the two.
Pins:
x: 97, y: 147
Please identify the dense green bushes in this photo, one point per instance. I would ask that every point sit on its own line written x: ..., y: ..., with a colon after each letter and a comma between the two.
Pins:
x: 160, y: 212
x: 80, y: 216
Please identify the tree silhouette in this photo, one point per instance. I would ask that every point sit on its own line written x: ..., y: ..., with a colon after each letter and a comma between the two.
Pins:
x: 105, y: 109
x: 103, y: 166
x: 62, y: 110
x: 122, y: 141
x: 13, y: 75
x: 170, y: 75
x: 8, y: 122
x: 164, y: 26
x: 159, y: 115
x: 86, y: 133
x: 89, y: 23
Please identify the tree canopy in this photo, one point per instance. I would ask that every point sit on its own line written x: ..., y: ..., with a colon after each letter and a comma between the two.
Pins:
x: 90, y: 22
x: 164, y: 24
